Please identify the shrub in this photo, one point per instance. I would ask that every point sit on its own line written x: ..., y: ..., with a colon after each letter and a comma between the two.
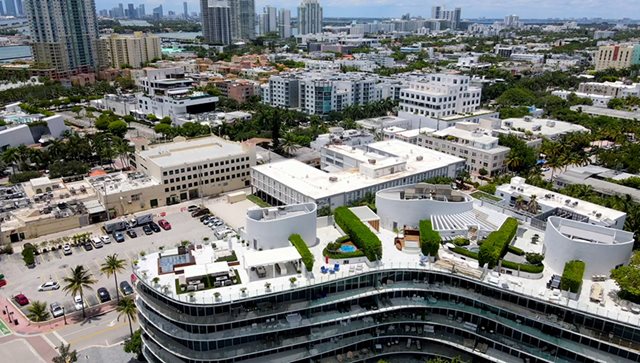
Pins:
x: 337, y: 254
x: 465, y: 252
x: 534, y: 258
x: 343, y: 239
x: 459, y: 241
x: 28, y: 255
x: 303, y: 250
x: 495, y: 245
x: 361, y: 235
x: 534, y: 269
x: 232, y: 257
x: 429, y: 239
x: 572, y: 276
x: 24, y: 176
x: 515, y: 250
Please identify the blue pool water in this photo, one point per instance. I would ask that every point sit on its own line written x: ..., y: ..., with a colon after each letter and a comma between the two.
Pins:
x: 348, y: 248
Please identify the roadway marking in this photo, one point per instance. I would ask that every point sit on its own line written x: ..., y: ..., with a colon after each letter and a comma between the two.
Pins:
x: 60, y: 338
x: 113, y: 322
x: 96, y: 333
x: 4, y: 329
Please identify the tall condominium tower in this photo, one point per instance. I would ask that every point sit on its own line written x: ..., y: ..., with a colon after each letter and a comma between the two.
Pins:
x: 284, y: 23
x: 64, y: 34
x: 268, y: 20
x: 10, y: 7
x: 19, y: 8
x: 309, y: 17
x: 242, y: 19
x: 216, y: 21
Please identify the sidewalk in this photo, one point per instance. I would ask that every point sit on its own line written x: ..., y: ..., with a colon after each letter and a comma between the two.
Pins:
x: 26, y: 327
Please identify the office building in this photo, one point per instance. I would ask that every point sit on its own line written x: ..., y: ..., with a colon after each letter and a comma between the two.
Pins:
x: 2, y: 13
x: 436, y: 12
x: 158, y: 13
x: 19, y: 8
x: 216, y: 21
x: 618, y: 56
x: 133, y: 50
x: 452, y: 17
x: 10, y: 8
x: 247, y: 19
x: 64, y: 34
x: 349, y: 173
x: 477, y: 146
x: 284, y: 23
x: 512, y: 21
x: 185, y: 9
x: 190, y: 169
x: 268, y: 20
x: 309, y: 17
x: 131, y: 12
x: 141, y: 12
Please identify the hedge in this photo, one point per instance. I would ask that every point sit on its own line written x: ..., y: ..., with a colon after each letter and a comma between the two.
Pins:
x: 495, y: 245
x: 429, y: 239
x: 303, y: 250
x: 465, y: 252
x: 341, y: 255
x: 572, y: 276
x: 361, y: 235
x: 28, y: 256
x: 524, y: 267
x: 515, y: 250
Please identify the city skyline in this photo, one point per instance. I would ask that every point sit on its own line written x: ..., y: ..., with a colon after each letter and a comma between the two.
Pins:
x: 471, y: 9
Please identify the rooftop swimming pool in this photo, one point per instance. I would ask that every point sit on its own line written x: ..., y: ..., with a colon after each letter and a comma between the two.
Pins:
x: 348, y: 248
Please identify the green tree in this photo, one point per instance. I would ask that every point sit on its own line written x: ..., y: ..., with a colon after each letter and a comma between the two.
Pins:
x: 118, y: 128
x: 127, y: 307
x: 616, y: 104
x: 134, y: 345
x: 79, y: 280
x: 65, y: 354
x: 112, y: 265
x: 37, y: 311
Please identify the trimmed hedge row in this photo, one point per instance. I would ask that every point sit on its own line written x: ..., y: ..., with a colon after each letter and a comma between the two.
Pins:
x: 524, y: 267
x: 515, y: 250
x: 361, y: 235
x: 303, y: 250
x: 429, y: 239
x: 341, y: 255
x: 465, y: 252
x: 572, y: 276
x: 495, y: 245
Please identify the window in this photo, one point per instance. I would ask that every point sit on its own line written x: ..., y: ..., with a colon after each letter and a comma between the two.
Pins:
x: 166, y: 190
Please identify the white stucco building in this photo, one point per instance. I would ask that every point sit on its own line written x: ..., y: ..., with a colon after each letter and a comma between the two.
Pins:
x: 600, y: 248
x: 269, y: 228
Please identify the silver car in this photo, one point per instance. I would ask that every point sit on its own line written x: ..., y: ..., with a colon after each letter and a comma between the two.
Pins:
x: 56, y: 310
x: 49, y: 285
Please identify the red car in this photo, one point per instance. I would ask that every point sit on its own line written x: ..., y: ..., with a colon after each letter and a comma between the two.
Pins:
x: 164, y: 224
x: 21, y: 299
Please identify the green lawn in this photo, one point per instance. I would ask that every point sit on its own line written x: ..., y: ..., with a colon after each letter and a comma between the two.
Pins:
x: 485, y: 196
x: 255, y: 199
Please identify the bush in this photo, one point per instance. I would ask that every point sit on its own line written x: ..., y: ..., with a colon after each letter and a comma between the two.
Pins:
x: 8, y: 249
x: 303, y: 250
x: 429, y: 239
x: 343, y: 239
x: 572, y: 276
x: 230, y: 258
x: 460, y: 242
x: 337, y: 254
x: 489, y: 188
x: 534, y: 269
x: 361, y: 235
x: 465, y: 252
x: 28, y: 256
x: 495, y: 245
x: 515, y: 250
x: 534, y: 258
x: 24, y: 176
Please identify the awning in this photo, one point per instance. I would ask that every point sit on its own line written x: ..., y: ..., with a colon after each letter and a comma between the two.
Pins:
x: 270, y: 257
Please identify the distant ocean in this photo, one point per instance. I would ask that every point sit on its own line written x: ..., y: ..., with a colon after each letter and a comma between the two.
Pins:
x: 14, y: 52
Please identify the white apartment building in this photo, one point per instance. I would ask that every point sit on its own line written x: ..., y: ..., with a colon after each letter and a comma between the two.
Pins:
x: 614, y: 89
x: 476, y: 145
x: 133, y: 50
x: 350, y: 173
x: 617, y: 56
x: 340, y: 136
x: 596, y: 99
x: 189, y: 169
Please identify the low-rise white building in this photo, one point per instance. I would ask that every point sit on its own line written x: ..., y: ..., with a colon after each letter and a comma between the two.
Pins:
x: 338, y: 135
x: 269, y: 228
x: 597, y: 100
x: 552, y: 129
x: 17, y: 133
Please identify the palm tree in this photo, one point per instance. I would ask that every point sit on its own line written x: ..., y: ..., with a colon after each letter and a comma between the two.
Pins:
x: 127, y: 307
x: 520, y: 203
x: 38, y: 311
x: 112, y: 266
x: 289, y: 144
x: 532, y: 206
x: 66, y: 355
x: 513, y: 161
x: 79, y: 280
x: 10, y: 156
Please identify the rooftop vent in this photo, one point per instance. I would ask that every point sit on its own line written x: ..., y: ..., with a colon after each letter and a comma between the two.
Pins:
x: 372, y: 161
x: 551, y: 123
x: 528, y: 118
x: 419, y: 158
x: 333, y: 178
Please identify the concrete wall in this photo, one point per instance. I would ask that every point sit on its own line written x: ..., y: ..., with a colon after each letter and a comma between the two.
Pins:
x: 15, y: 136
x: 56, y: 125
x: 600, y: 258
x: 268, y: 233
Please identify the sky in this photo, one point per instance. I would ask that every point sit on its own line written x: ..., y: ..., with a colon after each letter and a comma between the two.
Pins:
x: 613, y: 9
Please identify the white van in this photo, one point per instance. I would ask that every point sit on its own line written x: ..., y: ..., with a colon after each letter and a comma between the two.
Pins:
x: 96, y: 242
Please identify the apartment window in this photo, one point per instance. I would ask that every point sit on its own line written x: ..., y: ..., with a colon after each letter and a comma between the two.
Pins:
x: 164, y: 173
x: 189, y: 177
x: 173, y: 188
x: 182, y: 170
x: 172, y: 180
x: 188, y: 169
x: 166, y: 182
x: 170, y: 172
x: 183, y: 178
x: 216, y: 163
x: 226, y: 162
x: 190, y: 185
x: 166, y: 190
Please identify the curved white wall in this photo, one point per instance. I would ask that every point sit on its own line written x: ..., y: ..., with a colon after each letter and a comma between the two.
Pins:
x: 600, y: 258
x: 390, y: 208
x: 269, y: 228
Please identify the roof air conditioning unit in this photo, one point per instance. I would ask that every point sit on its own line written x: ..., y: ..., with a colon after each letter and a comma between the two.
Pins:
x: 528, y: 118
x: 333, y: 178
x: 419, y: 158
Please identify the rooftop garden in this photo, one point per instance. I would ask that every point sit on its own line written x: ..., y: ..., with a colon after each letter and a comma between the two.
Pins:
x: 207, y: 282
x: 336, y: 251
x: 429, y: 239
x: 303, y: 250
x: 361, y: 236
x: 628, y: 279
x: 572, y: 276
x: 495, y: 246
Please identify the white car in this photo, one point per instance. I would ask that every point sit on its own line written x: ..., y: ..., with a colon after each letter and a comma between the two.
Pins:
x: 78, y: 303
x: 105, y: 239
x: 66, y: 249
x: 49, y: 285
x: 56, y: 310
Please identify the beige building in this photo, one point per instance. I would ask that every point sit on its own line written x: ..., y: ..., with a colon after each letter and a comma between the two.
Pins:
x: 467, y: 140
x: 617, y: 56
x: 134, y: 50
x: 188, y: 169
x: 122, y: 193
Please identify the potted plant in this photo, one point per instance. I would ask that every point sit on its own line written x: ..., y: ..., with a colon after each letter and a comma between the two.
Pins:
x: 293, y: 280
x: 216, y: 295
x: 135, y: 263
x: 156, y: 280
x: 143, y: 254
x: 192, y: 296
x: 243, y: 290
x: 267, y: 286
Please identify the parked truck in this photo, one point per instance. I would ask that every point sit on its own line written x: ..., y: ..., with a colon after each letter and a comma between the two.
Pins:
x: 115, y: 225
x: 140, y: 220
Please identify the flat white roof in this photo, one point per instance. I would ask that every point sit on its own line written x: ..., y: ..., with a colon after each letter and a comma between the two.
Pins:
x: 212, y: 268
x: 192, y: 151
x: 548, y: 127
x: 254, y: 258
x: 315, y: 183
x: 467, y: 135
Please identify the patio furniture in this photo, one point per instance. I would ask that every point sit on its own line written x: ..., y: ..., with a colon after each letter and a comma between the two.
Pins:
x: 336, y: 267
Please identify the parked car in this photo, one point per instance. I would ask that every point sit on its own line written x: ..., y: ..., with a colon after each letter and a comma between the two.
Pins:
x: 205, y: 217
x: 78, y: 303
x: 147, y: 230
x: 56, y: 310
x: 164, y: 224
x: 96, y: 242
x: 125, y: 288
x: 200, y: 212
x: 131, y: 233
x: 192, y: 207
x: 118, y: 236
x: 103, y: 295
x: 154, y: 227
x: 87, y: 246
x: 105, y: 239
x: 49, y: 285
x: 21, y: 299
x: 66, y: 249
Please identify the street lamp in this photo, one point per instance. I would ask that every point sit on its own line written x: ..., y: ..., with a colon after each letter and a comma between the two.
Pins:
x: 64, y: 315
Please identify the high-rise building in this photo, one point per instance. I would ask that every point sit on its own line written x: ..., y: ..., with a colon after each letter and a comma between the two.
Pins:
x: 64, y: 34
x: 119, y: 50
x: 618, y: 56
x: 185, y: 10
x: 158, y: 13
x: 268, y: 23
x: 512, y: 21
x: 141, y: 12
x: 309, y: 17
x: 121, y: 10
x: 216, y: 21
x: 1, y: 9
x: 132, y: 14
x: 247, y: 19
x: 10, y: 7
x: 19, y: 8
x: 436, y: 12
x: 284, y: 23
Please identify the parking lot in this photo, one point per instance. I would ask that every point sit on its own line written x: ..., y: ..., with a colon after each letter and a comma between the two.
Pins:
x: 54, y: 266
